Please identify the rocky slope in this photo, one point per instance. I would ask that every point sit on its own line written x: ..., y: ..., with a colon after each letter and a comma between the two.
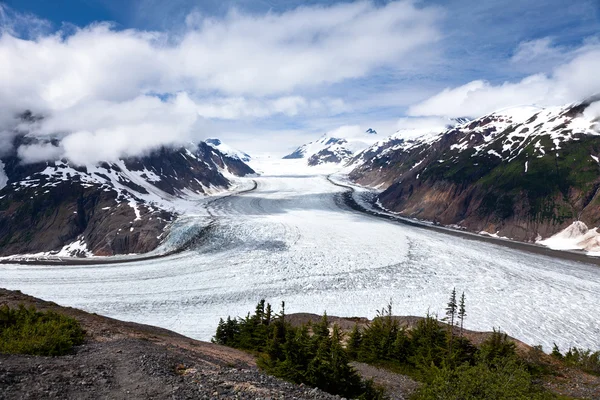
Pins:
x: 124, y: 360
x: 523, y: 173
x: 111, y: 208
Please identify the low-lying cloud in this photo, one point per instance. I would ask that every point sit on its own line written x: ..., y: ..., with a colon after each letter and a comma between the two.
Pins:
x: 105, y: 131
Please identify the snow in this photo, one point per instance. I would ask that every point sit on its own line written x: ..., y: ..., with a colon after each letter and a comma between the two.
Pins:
x: 77, y: 248
x: 227, y: 150
x: 576, y: 236
x: 337, y: 146
x: 292, y: 239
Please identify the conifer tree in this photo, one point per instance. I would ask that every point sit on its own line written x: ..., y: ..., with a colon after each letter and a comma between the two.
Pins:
x: 451, y: 314
x: 260, y: 311
x: 321, y: 329
x: 462, y: 312
x: 354, y: 342
x: 268, y: 315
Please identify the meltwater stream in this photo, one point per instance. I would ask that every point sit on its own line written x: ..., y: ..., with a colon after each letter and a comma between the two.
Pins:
x: 292, y: 239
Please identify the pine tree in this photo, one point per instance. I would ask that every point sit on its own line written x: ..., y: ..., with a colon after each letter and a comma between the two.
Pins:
x: 268, y: 315
x: 462, y: 312
x: 260, y: 311
x: 354, y: 342
x: 321, y: 329
x: 450, y: 314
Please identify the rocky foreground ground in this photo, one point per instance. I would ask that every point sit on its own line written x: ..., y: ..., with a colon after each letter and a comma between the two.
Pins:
x: 125, y: 360
x: 122, y: 360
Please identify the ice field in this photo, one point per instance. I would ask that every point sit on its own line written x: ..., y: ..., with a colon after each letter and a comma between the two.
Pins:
x: 293, y: 239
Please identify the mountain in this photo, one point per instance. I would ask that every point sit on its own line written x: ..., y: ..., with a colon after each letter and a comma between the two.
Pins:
x: 523, y: 173
x: 111, y: 208
x: 327, y: 150
x: 228, y: 150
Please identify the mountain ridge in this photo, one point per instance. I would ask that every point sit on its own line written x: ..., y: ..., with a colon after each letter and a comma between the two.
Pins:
x: 110, y: 208
x: 523, y: 173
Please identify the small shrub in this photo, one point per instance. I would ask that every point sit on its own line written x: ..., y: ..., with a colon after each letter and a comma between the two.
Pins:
x: 506, y: 380
x: 586, y: 360
x: 27, y: 331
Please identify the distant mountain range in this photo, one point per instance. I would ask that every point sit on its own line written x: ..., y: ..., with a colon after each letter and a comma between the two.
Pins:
x: 109, y: 208
x: 524, y: 173
x: 332, y: 150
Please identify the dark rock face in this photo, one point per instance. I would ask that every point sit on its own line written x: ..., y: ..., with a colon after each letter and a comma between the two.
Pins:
x: 518, y: 176
x: 106, y: 209
x: 298, y: 153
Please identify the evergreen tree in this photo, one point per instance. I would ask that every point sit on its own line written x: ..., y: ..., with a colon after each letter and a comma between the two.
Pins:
x: 462, y: 312
x: 347, y: 381
x: 321, y: 329
x: 354, y: 342
x: 401, y: 346
x: 268, y: 315
x: 556, y: 352
x: 428, y: 343
x: 496, y: 348
x: 450, y: 314
x: 259, y: 314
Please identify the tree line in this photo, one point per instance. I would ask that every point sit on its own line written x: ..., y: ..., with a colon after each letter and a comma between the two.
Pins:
x: 437, y: 354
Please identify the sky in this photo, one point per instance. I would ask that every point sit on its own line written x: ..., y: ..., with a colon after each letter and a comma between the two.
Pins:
x: 117, y: 78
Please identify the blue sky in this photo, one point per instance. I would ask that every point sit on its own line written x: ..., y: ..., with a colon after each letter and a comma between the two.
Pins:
x: 446, y: 58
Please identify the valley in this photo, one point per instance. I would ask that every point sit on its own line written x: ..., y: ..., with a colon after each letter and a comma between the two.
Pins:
x: 294, y: 239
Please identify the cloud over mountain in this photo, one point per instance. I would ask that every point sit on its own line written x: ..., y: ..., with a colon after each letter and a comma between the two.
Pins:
x: 130, y: 90
x: 568, y: 82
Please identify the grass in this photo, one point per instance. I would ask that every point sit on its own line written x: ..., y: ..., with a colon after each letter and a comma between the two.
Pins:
x: 28, y: 331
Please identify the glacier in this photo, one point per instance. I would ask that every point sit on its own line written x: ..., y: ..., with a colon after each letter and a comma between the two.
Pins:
x: 293, y: 239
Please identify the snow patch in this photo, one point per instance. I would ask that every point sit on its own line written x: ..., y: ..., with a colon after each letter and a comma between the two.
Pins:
x: 227, y: 150
x: 576, y: 236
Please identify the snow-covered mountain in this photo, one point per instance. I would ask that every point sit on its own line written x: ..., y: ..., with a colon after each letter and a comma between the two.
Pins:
x: 109, y: 208
x: 518, y: 172
x: 329, y: 149
x: 228, y: 150
x: 404, y: 138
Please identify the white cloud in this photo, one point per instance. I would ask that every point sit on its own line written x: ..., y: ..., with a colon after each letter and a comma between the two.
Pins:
x: 347, y: 132
x: 431, y: 123
x: 15, y: 23
x: 105, y: 131
x: 241, y: 107
x: 34, y: 153
x: 95, y: 82
x: 3, y: 177
x: 537, y: 49
x: 569, y: 82
x: 593, y: 113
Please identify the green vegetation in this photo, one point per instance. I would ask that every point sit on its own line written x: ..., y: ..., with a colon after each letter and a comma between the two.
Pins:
x: 554, y: 186
x: 586, y: 360
x: 440, y: 356
x: 309, y: 354
x: 27, y: 331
